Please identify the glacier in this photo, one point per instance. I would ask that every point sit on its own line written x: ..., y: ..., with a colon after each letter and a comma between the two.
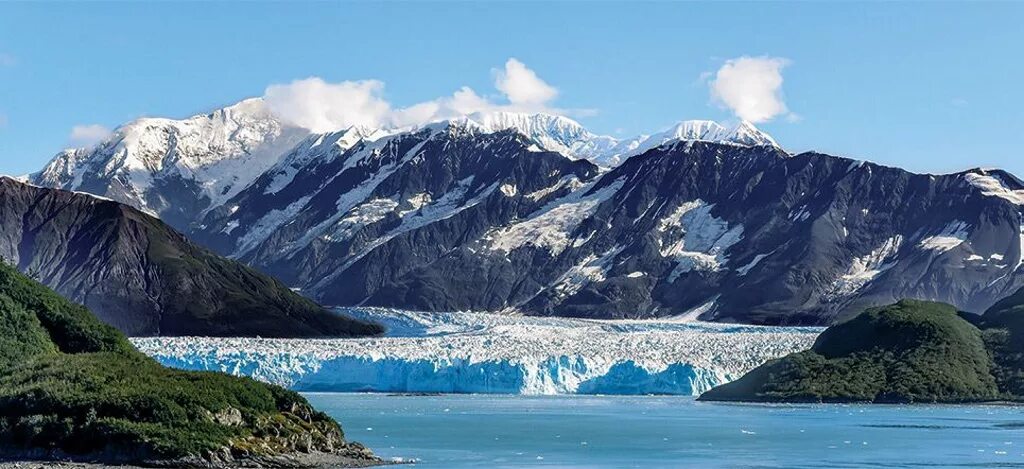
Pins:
x: 496, y: 354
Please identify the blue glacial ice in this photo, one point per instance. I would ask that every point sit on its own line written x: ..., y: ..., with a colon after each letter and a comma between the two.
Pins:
x: 491, y: 353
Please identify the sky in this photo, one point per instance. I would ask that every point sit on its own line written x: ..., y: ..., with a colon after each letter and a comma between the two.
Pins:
x: 931, y: 87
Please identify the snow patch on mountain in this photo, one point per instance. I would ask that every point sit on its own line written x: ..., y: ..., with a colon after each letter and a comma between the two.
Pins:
x: 695, y: 238
x: 489, y: 353
x: 552, y: 225
x: 360, y: 216
x: 593, y: 269
x: 267, y: 224
x: 745, y: 269
x: 953, y: 235
x: 994, y: 186
x: 866, y: 268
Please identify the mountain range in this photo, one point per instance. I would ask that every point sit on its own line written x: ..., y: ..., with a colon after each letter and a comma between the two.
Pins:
x: 533, y: 214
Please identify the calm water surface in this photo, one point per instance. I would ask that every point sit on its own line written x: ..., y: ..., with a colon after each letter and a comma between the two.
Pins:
x: 455, y: 431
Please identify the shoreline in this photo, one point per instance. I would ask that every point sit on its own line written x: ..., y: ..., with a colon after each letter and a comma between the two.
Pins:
x: 295, y: 461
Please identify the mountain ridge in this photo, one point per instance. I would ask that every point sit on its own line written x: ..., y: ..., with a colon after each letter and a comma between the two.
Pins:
x: 142, y: 276
x: 459, y: 214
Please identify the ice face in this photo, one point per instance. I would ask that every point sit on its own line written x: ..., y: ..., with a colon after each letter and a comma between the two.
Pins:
x: 490, y: 353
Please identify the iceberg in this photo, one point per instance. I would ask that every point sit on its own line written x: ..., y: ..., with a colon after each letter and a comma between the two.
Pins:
x: 496, y: 354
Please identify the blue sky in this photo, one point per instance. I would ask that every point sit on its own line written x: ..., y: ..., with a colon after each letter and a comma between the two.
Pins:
x: 931, y: 87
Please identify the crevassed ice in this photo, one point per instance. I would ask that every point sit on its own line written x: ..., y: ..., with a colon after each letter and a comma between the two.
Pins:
x: 490, y: 353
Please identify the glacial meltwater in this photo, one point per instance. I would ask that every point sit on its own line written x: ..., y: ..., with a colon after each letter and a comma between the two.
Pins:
x: 456, y: 431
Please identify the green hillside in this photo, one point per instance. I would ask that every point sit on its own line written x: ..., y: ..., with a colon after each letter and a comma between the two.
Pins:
x: 71, y: 386
x: 911, y: 351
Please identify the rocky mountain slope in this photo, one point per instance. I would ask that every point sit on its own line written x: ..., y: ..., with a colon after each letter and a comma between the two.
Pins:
x: 74, y: 388
x: 506, y: 212
x: 143, y: 277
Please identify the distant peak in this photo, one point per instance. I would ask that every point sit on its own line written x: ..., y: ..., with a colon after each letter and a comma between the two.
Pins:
x: 745, y: 133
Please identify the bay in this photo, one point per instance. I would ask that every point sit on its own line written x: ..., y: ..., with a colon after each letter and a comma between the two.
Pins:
x: 457, y: 431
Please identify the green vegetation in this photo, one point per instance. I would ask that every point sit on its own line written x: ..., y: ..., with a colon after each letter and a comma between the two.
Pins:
x: 73, y: 386
x: 911, y: 351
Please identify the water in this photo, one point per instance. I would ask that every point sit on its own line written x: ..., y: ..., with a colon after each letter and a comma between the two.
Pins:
x: 454, y: 431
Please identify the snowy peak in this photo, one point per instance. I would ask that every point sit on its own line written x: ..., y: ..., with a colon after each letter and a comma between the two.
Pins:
x: 348, y: 138
x: 746, y: 134
x: 697, y: 130
x: 568, y: 137
x: 555, y: 133
x: 541, y: 126
x: 212, y: 155
x: 743, y: 134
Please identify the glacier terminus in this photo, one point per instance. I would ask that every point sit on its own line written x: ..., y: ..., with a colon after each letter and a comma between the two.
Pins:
x: 496, y: 354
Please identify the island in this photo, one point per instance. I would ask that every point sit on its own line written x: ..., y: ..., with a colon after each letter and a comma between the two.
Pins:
x: 908, y: 352
x: 74, y: 388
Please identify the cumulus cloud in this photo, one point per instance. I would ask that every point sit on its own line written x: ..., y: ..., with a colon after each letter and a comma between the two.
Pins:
x: 751, y: 87
x: 319, y: 106
x: 88, y: 135
x: 522, y: 86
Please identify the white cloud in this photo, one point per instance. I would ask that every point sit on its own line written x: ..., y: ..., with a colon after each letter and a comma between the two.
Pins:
x: 88, y: 135
x: 751, y: 87
x: 522, y: 86
x: 320, y: 106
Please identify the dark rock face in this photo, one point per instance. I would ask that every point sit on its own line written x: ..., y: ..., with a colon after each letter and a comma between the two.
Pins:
x: 454, y: 217
x: 454, y: 220
x: 143, y: 277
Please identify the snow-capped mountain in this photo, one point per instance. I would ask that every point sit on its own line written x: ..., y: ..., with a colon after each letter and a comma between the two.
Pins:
x: 507, y: 212
x: 181, y: 169
x: 555, y: 133
x: 177, y: 168
x: 452, y: 217
x: 566, y: 136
